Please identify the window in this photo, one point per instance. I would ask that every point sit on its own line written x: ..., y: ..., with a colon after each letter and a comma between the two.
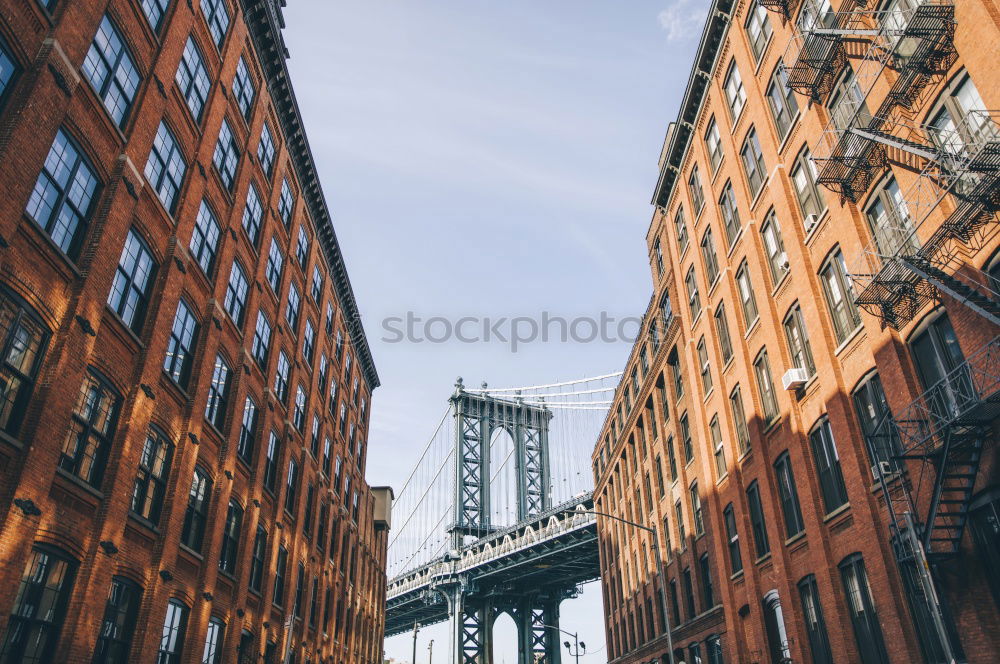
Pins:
x: 218, y: 393
x: 294, y: 307
x: 939, y: 361
x: 758, y: 28
x: 39, y: 609
x: 714, y: 645
x: 257, y: 557
x: 694, y: 300
x: 261, y: 345
x: 688, y: 584
x: 847, y: 105
x: 275, y: 266
x: 338, y: 350
x: 291, y: 486
x: 236, y: 294
x: 658, y: 256
x: 753, y: 162
x: 675, y: 370
x: 762, y: 546
x: 205, y: 238
x: 890, y: 222
x: 217, y: 17
x: 271, y: 462
x: 281, y: 377
x: 299, y: 591
x: 707, y: 593
x: 193, y: 530
x: 714, y: 144
x: 697, y: 195
x: 736, y: 95
x: 733, y: 539
x: 299, y: 414
x: 762, y: 370
x: 706, y: 367
x: 213, y: 642
x: 686, y: 438
x: 248, y: 431
x: 111, y: 71
x: 91, y: 430
x: 789, y: 496
x: 285, y: 203
x: 63, y: 195
x: 722, y: 331
x: 781, y: 100
x: 266, y: 150
x: 329, y: 318
x: 721, y: 468
x: 227, y: 155
x: 672, y: 458
x: 243, y: 90
x: 253, y: 214
x: 798, y: 340
x: 280, y: 568
x: 229, y: 552
x: 317, y: 285
x: 680, y: 225
x: 133, y: 282
x: 326, y: 455
x: 774, y: 246
x: 730, y: 213
x: 151, y: 477
x: 308, y: 342
x: 165, y: 167
x: 174, y: 628
x: 883, y: 442
x: 192, y: 79
x: 739, y: 420
x: 774, y: 627
x: 302, y: 247
x: 831, y: 479
x: 812, y: 612
x: 177, y: 362
x: 154, y: 10
x: 675, y: 609
x: 8, y: 68
x: 310, y: 502
x: 864, y: 619
x: 114, y: 641
x: 699, y: 519
x: 679, y: 517
x: 708, y: 254
x: 961, y: 126
x: 747, y: 299
x: 839, y: 296
x: 314, y: 602
x: 806, y: 190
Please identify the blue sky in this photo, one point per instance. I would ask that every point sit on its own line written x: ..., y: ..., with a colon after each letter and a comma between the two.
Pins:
x: 488, y: 158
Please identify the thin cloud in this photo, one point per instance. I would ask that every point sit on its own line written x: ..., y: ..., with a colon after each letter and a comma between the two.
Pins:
x: 683, y: 19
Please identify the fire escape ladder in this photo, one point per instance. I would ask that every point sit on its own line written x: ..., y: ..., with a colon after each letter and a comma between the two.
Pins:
x: 958, y: 463
x: 986, y: 304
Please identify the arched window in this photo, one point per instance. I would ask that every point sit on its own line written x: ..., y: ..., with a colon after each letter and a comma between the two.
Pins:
x: 40, y: 608
x: 231, y: 538
x: 118, y: 626
x: 23, y: 340
x: 174, y: 631
x: 193, y: 530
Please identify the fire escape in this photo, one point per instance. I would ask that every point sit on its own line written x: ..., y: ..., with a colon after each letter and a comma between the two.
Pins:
x: 911, y: 263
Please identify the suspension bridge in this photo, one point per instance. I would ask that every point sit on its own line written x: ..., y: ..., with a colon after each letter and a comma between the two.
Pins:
x: 496, y: 517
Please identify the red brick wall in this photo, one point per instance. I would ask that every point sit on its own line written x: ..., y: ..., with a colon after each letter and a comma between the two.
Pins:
x: 861, y: 527
x: 69, y: 295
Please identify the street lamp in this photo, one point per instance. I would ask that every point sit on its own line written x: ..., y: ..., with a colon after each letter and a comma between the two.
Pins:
x: 580, y: 646
x: 659, y: 569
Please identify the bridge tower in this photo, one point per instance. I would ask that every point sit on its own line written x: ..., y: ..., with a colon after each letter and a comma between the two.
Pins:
x: 478, y: 416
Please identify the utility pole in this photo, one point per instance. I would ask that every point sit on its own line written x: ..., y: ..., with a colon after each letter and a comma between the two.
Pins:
x: 430, y: 652
x: 416, y: 630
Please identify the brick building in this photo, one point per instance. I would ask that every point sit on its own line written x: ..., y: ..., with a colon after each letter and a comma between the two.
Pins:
x: 185, y: 384
x: 807, y: 417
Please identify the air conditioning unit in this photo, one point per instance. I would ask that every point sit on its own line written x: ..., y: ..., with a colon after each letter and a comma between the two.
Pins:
x: 783, y: 260
x: 811, y: 221
x: 795, y: 378
x: 881, y: 468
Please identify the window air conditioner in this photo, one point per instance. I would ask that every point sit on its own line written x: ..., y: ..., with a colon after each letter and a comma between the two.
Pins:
x: 883, y: 467
x: 811, y: 221
x: 783, y: 260
x: 795, y: 378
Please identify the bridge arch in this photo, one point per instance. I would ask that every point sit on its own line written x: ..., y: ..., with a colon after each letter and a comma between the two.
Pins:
x: 503, y: 477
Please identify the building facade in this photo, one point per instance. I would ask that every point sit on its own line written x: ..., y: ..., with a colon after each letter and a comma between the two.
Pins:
x: 807, y: 421
x: 185, y: 388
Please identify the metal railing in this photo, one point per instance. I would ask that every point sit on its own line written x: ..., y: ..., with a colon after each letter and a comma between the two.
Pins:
x: 968, y: 394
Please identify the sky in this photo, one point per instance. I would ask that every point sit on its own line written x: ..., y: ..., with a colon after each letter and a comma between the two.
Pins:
x: 489, y: 159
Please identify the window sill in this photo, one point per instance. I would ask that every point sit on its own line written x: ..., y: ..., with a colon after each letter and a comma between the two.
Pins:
x: 766, y: 558
x: 820, y: 222
x: 837, y: 512
x: 60, y: 260
x: 755, y: 198
x: 752, y: 328
x: 184, y: 548
x: 788, y: 133
x: 11, y: 440
x: 771, y: 425
x: 124, y: 327
x: 145, y: 523
x: 795, y: 538
x: 708, y: 395
x: 735, y: 576
x: 781, y: 283
x: 849, y: 339
x: 735, y: 242
x: 79, y: 483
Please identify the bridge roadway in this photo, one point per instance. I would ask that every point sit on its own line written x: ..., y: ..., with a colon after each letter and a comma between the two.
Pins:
x: 547, y: 556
